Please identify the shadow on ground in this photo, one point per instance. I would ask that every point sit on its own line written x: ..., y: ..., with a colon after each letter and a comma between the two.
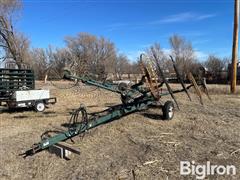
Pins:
x: 152, y: 116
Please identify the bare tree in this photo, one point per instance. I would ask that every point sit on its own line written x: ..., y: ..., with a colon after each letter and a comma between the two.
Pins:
x: 58, y: 61
x: 8, y: 7
x: 214, y: 65
x: 162, y: 57
x: 122, y: 66
x: 91, y: 54
x: 183, y: 52
x: 84, y: 55
x: 50, y: 61
x: 156, y: 48
x: 7, y: 39
x: 15, y: 45
x: 23, y: 48
x: 226, y: 62
x: 136, y: 68
x: 39, y: 62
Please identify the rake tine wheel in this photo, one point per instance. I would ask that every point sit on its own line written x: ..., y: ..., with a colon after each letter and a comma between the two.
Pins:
x: 179, y: 78
x: 197, y: 89
x: 164, y: 79
x: 150, y: 74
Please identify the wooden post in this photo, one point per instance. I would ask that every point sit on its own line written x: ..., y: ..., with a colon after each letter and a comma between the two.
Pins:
x: 235, y: 48
x: 45, y: 79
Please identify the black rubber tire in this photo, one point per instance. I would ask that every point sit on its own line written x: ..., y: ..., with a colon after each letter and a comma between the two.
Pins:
x: 39, y: 106
x: 168, y: 110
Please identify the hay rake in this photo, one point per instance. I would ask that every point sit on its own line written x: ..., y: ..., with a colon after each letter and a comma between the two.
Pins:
x: 138, y: 97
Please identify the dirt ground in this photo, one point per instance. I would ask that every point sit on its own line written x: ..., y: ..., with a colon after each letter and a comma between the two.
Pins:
x: 137, y: 146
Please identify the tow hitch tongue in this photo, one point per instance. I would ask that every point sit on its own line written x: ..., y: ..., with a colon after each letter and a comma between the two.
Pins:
x: 138, y: 97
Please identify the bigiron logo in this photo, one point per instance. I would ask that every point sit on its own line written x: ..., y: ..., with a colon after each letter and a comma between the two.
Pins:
x: 201, y: 171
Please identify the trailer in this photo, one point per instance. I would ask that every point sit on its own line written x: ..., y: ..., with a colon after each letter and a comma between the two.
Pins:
x: 17, y: 90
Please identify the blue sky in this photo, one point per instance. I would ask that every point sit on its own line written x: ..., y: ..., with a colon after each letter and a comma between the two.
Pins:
x: 132, y: 25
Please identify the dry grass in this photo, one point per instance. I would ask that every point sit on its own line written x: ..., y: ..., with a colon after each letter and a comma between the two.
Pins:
x: 221, y: 89
x: 137, y: 145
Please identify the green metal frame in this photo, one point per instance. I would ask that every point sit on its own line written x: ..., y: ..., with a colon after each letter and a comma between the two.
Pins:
x: 139, y: 103
x: 117, y: 113
x: 138, y: 98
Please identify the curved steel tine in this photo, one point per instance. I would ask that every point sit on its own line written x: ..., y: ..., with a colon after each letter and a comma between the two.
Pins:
x: 165, y: 80
x: 205, y: 90
x: 179, y: 78
x: 197, y: 89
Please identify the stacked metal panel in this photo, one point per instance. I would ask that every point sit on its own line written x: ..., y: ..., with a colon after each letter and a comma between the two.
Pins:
x: 12, y: 80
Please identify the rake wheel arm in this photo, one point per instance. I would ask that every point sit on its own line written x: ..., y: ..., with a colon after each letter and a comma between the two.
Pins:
x: 161, y: 74
x: 179, y: 78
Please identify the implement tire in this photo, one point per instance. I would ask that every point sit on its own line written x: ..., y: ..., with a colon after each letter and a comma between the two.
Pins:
x: 168, y: 110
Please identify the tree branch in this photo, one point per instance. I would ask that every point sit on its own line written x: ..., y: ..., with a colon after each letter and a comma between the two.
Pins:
x: 1, y: 45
